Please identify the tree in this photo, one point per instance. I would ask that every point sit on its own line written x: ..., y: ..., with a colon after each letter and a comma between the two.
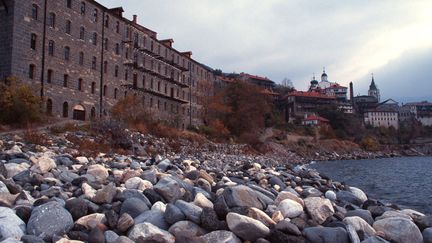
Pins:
x: 286, y: 82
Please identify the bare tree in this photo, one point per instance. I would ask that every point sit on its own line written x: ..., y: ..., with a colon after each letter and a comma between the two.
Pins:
x: 286, y: 82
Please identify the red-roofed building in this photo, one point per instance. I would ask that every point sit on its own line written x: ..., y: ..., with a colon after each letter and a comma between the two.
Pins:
x: 257, y: 80
x: 314, y: 120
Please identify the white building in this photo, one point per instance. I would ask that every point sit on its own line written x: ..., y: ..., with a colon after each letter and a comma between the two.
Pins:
x: 385, y: 114
x: 420, y: 111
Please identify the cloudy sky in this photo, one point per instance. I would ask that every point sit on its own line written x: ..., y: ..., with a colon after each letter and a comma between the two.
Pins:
x: 296, y: 38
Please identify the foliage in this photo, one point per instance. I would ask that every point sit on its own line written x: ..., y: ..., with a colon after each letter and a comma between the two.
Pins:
x: 370, y: 143
x: 114, y: 133
x: 19, y: 104
x: 130, y: 110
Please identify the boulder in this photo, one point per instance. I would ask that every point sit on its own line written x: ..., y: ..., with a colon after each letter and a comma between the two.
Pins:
x: 88, y: 220
x: 173, y: 214
x: 400, y: 230
x: 245, y: 227
x: 201, y: 201
x: 125, y: 222
x: 146, y: 232
x: 241, y: 196
x: 77, y: 207
x: 186, y: 230
x: 169, y: 189
x: 259, y: 215
x: 154, y: 217
x: 106, y: 194
x: 427, y: 235
x: 191, y: 211
x: 44, y: 164
x: 348, y: 197
x: 133, y: 207
x: 326, y: 235
x: 330, y: 195
x: 287, y: 227
x: 318, y: 208
x: 288, y: 195
x: 360, y: 226
x: 220, y: 236
x: 48, y: 220
x: 358, y: 193
x: 14, y: 169
x: 99, y: 172
x: 11, y: 226
x: 290, y: 208
x: 362, y: 213
x: 210, y: 220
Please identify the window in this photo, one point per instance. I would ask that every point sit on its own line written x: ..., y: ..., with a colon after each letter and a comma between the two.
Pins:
x: 107, y: 21
x: 82, y: 33
x: 93, y: 87
x: 65, y: 109
x: 126, y: 75
x: 69, y: 3
x: 106, y: 44
x: 118, y: 27
x: 143, y: 81
x: 94, y: 39
x: 80, y: 84
x: 94, y: 60
x: 136, y: 40
x: 105, y: 67
x: 117, y: 49
x: 51, y: 20
x: 95, y: 15
x: 33, y: 39
x: 35, y: 10
x: 135, y: 81
x: 32, y: 71
x: 65, y: 80
x: 115, y: 93
x: 116, y: 71
x: 158, y: 88
x: 105, y: 90
x: 83, y: 8
x: 93, y: 113
x: 49, y: 107
x: 49, y: 76
x: 51, y: 48
x: 66, y: 53
x: 81, y: 58
x: 68, y: 27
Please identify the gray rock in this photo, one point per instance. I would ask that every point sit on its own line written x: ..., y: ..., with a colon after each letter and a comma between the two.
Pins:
x: 331, y: 195
x: 133, y: 207
x: 352, y: 233
x: 427, y: 235
x: 186, y: 230
x: 360, y: 226
x: 348, y: 197
x: 220, y: 236
x: 154, y: 217
x: 399, y: 230
x: 190, y: 210
x: 11, y: 240
x: 67, y: 176
x: 362, y: 213
x: 11, y: 226
x: 123, y: 239
x: 150, y: 175
x: 358, y: 193
x: 290, y: 208
x: 125, y: 194
x: 173, y: 214
x: 170, y: 189
x: 48, y: 220
x: 146, y: 232
x: 326, y: 235
x: 311, y: 192
x: 241, y: 196
x: 318, y: 208
x: 287, y: 227
x: 31, y: 239
x: 245, y: 227
x: 110, y: 236
x: 3, y: 188
x: 164, y: 164
x: 375, y: 239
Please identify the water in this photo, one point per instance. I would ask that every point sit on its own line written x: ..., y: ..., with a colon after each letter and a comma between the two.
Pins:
x: 405, y: 181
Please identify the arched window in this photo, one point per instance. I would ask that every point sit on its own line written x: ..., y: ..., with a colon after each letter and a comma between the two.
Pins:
x: 68, y: 27
x: 80, y: 84
x: 51, y: 47
x: 33, y: 39
x: 49, y: 76
x: 93, y: 87
x: 66, y: 53
x: 105, y: 90
x: 49, y: 107
x: 82, y: 33
x: 35, y: 11
x: 51, y: 20
x: 83, y: 8
x: 69, y: 3
x: 95, y: 15
x: 107, y: 21
x: 65, y: 109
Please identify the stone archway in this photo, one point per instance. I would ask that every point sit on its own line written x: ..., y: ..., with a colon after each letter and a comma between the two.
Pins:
x: 79, y: 113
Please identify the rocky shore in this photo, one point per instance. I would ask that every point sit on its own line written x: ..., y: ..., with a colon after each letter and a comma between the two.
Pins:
x: 54, y: 193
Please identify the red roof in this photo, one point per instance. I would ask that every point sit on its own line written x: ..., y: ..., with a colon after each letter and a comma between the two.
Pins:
x: 310, y: 94
x: 226, y: 79
x: 313, y: 118
x: 338, y: 86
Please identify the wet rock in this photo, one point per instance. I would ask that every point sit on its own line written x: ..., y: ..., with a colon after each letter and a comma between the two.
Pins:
x: 11, y: 226
x: 221, y: 236
x: 146, y: 232
x: 245, y: 227
x: 133, y: 207
x: 399, y: 230
x: 326, y: 235
x: 318, y: 208
x: 290, y: 208
x: 48, y: 220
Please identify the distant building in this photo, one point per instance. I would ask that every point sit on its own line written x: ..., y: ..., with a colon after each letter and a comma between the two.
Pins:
x: 385, y: 114
x: 373, y: 90
x: 263, y: 82
x: 314, y: 120
x: 420, y: 111
x: 329, y: 88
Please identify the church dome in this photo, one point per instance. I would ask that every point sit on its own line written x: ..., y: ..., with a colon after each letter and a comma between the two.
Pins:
x: 324, y: 75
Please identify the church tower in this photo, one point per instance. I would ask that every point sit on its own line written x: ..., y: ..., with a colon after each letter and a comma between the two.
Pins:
x: 373, y: 90
x: 324, y: 76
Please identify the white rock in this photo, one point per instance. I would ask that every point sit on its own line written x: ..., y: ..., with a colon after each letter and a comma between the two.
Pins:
x: 245, y: 227
x: 360, y: 225
x: 399, y: 230
x: 331, y: 195
x: 11, y: 226
x: 290, y: 208
x: 358, y: 193
x: 318, y: 208
x: 14, y: 169
x: 99, y: 172
x: 288, y: 195
x: 82, y: 160
x: 201, y: 201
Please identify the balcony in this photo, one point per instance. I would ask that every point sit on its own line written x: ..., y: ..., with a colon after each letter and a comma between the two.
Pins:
x: 150, y: 91
x: 163, y: 59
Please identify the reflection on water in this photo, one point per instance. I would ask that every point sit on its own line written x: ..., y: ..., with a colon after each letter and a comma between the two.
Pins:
x: 404, y: 181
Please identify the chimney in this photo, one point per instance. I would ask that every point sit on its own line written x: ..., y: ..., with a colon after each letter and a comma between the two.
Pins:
x: 351, y: 92
x: 135, y: 18
x: 187, y: 54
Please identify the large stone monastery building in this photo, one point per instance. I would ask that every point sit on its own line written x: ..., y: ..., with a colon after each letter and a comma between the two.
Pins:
x: 83, y: 57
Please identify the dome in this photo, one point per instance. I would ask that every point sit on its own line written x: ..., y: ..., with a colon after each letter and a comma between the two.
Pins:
x: 314, y: 81
x: 324, y: 75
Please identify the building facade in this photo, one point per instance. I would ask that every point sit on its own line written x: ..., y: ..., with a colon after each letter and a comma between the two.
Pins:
x: 385, y: 114
x: 83, y: 57
x: 420, y: 111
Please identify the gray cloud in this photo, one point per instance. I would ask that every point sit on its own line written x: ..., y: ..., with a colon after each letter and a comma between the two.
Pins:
x: 278, y: 38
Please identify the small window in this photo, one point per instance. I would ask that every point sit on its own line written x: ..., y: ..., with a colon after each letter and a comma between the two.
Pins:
x: 135, y: 81
x: 116, y: 71
x: 51, y: 20
x: 65, y: 80
x: 115, y: 93
x: 49, y: 76
x: 67, y: 53
x: 143, y: 81
x: 107, y: 21
x: 106, y: 44
x: 83, y: 8
x: 69, y: 3
x: 105, y: 67
x: 80, y: 84
x: 68, y: 27
x: 82, y: 33
x: 117, y: 49
x: 35, y: 11
x: 93, y: 87
x: 51, y: 46
x: 94, y: 39
x: 81, y: 58
x: 126, y: 75
x: 118, y: 27
x: 105, y: 90
x: 94, y: 60
x: 65, y: 109
x: 33, y: 39
x: 95, y: 15
x: 32, y: 71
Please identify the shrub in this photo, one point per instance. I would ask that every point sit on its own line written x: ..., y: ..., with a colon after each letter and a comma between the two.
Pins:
x: 114, y: 132
x: 19, y: 104
x: 33, y: 137
x: 369, y: 143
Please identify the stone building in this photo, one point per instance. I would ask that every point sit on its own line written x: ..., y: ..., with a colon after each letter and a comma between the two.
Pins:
x: 83, y: 57
x: 385, y: 114
x: 420, y: 111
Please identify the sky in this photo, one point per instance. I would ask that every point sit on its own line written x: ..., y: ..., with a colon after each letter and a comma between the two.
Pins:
x: 295, y: 39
